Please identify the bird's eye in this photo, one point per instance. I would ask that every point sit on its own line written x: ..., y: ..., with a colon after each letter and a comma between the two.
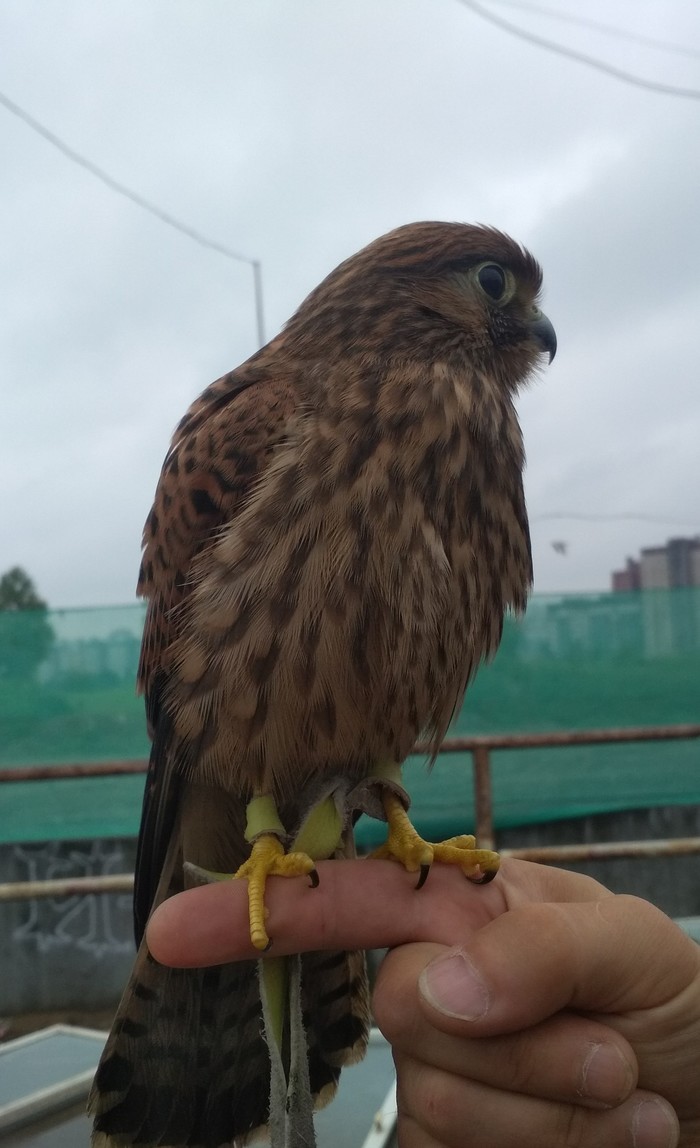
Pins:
x: 492, y: 280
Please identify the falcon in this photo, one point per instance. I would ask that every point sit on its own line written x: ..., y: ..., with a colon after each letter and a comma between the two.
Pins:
x: 338, y: 530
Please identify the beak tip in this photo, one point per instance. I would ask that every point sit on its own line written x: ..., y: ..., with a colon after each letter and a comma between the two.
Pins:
x: 544, y: 334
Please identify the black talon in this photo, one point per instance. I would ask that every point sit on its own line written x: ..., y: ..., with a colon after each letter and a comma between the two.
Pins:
x: 314, y: 879
x: 485, y: 878
x: 424, y: 870
x: 268, y: 946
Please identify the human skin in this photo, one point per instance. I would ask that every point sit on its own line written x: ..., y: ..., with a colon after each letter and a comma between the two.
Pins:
x: 538, y: 1010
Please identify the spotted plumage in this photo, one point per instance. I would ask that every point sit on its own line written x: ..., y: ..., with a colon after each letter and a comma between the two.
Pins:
x: 338, y: 530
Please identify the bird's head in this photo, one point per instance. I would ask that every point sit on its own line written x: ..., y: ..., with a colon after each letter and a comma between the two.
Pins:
x: 436, y: 290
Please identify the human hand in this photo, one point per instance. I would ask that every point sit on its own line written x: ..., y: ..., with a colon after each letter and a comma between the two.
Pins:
x: 589, y: 1003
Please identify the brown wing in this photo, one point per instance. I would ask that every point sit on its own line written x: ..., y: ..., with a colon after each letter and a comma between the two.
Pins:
x: 218, y: 451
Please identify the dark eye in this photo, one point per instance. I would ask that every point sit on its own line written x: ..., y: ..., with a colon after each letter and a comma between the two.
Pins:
x: 492, y: 280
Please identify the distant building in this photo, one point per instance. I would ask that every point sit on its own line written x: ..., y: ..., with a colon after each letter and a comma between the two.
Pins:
x: 661, y: 567
x: 671, y: 621
x: 627, y: 579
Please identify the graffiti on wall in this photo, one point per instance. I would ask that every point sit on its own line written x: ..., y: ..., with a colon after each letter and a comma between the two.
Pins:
x: 98, y: 924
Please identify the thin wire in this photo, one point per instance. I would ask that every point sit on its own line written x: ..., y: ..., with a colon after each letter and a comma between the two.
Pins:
x: 599, y: 26
x: 121, y: 188
x: 627, y: 516
x: 146, y: 205
x: 580, y: 57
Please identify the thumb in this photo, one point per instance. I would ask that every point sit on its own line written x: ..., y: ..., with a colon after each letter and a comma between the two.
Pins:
x: 534, y: 961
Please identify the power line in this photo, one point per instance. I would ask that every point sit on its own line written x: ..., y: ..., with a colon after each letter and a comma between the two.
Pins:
x: 145, y: 204
x: 599, y: 26
x: 580, y: 57
x: 623, y: 516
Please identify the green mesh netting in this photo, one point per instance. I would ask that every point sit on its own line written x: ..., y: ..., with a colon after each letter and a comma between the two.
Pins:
x: 594, y: 661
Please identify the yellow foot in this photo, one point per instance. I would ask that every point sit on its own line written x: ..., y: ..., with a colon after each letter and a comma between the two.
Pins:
x: 268, y: 859
x: 416, y: 855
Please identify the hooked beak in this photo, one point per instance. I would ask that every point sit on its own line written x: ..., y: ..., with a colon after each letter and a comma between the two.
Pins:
x: 543, y: 332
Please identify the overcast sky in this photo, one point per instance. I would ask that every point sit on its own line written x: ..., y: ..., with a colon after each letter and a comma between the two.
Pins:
x: 295, y: 133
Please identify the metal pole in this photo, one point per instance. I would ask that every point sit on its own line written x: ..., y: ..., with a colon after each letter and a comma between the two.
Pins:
x: 482, y: 797
x: 259, y: 313
x: 570, y: 737
x: 606, y: 850
x: 66, y: 887
x: 56, y: 772
x: 546, y: 854
x: 450, y: 745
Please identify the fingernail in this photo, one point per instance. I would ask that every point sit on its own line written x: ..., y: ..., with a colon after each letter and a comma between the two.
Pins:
x: 654, y: 1125
x: 606, y: 1075
x: 452, y: 985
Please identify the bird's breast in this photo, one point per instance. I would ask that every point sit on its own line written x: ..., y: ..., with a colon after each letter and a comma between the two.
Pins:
x: 344, y: 610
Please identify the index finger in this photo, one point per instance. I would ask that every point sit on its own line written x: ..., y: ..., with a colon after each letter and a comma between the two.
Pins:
x: 358, y: 905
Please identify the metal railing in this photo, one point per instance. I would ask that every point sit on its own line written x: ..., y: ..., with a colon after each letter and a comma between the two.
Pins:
x: 480, y: 749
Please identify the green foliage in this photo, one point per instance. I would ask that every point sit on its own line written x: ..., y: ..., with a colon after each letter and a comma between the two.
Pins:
x: 26, y: 635
x: 17, y: 591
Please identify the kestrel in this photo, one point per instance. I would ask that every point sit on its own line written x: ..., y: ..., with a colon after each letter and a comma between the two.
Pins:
x: 337, y: 533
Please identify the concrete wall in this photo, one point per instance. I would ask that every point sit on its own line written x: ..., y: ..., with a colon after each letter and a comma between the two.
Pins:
x: 67, y: 952
x: 76, y: 952
x: 672, y: 883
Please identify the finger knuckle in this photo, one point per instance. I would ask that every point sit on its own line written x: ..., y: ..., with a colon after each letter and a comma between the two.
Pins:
x: 572, y: 1130
x: 431, y: 1100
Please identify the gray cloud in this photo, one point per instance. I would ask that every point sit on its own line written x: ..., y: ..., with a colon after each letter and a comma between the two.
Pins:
x: 295, y: 134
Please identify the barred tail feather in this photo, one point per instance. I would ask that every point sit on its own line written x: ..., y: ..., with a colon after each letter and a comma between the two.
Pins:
x: 185, y: 1063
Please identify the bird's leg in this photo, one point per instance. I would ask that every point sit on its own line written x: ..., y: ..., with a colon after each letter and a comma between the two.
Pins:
x: 268, y: 859
x: 406, y: 846
x: 265, y: 832
x: 317, y: 838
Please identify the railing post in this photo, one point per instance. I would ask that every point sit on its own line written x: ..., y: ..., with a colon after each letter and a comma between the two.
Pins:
x: 483, y: 802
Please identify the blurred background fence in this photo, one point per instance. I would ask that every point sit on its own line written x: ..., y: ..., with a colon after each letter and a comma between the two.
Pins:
x: 574, y: 663
x: 67, y: 697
